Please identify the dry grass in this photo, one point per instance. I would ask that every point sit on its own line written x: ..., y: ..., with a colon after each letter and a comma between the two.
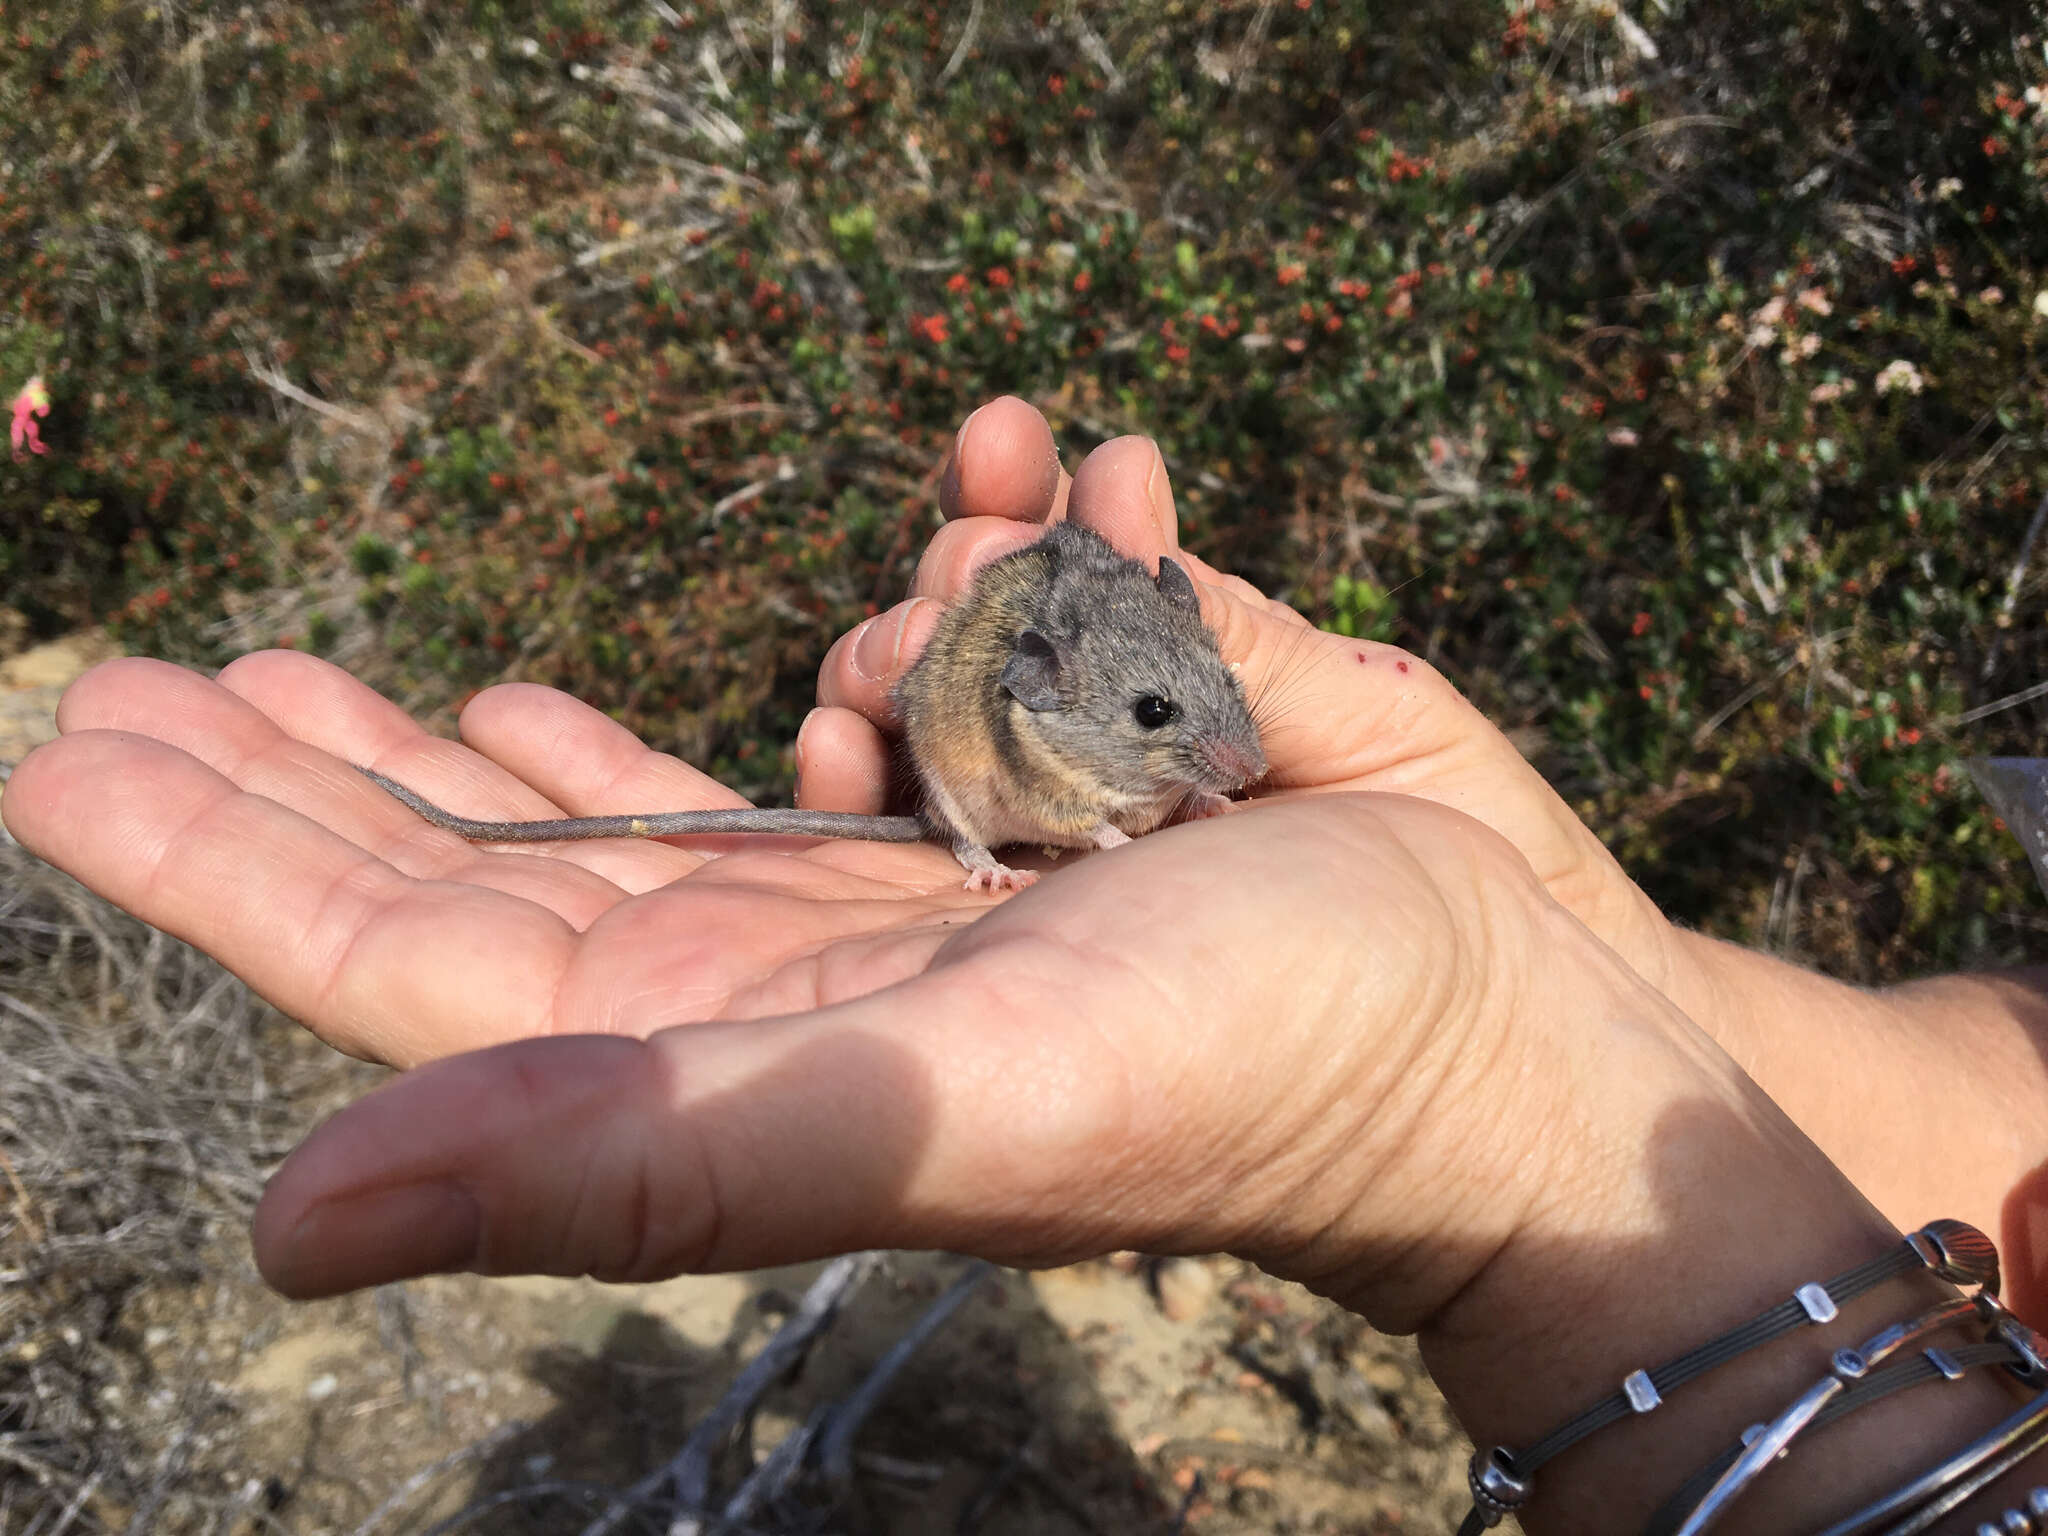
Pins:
x: 144, y: 1094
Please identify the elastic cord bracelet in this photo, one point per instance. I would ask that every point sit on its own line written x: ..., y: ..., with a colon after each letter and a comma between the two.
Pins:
x: 1707, y: 1494
x: 1502, y: 1480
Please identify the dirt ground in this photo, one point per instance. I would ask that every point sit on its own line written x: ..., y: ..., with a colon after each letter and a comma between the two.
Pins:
x: 174, y: 1393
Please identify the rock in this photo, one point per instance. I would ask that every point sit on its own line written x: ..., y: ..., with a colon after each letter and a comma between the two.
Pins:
x: 1185, y: 1288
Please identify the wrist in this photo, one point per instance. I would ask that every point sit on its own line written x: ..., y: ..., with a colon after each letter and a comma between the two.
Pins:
x: 1687, y: 1206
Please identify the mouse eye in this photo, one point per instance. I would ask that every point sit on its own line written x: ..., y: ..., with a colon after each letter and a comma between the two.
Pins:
x: 1152, y: 711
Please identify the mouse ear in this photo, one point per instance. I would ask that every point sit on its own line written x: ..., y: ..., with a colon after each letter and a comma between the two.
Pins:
x: 1175, y: 586
x: 1032, y: 674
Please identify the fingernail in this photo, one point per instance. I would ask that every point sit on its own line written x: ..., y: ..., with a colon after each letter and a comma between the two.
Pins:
x: 875, y: 647
x: 1159, y: 491
x: 960, y: 437
x: 949, y: 482
x: 798, y: 748
x: 385, y: 1234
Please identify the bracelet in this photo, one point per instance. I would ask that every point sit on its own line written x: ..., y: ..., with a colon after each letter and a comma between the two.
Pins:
x: 1852, y: 1385
x: 2001, y: 1440
x: 2027, y: 1518
x: 1502, y: 1480
x: 1951, y: 1482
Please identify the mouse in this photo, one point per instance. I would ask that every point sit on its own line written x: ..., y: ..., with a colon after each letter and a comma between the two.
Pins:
x: 1070, y: 699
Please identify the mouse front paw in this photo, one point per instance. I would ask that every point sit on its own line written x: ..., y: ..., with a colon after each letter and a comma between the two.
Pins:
x: 1205, y: 805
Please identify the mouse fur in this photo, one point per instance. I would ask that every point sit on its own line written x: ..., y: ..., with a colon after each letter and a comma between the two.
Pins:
x: 1073, y: 699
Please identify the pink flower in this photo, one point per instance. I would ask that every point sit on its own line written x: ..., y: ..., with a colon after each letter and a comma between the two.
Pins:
x: 33, y: 401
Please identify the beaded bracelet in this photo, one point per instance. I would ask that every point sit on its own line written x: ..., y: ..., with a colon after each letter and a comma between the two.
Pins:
x: 2027, y: 1518
x: 1502, y: 1480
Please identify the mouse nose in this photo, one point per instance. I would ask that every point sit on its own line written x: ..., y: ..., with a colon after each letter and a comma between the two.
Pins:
x: 1234, y: 761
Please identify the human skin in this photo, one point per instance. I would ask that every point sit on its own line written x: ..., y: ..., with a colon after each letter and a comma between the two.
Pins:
x: 1859, y: 1070
x: 1358, y: 1038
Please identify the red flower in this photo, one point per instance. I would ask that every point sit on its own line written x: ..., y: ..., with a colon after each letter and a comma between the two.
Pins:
x: 957, y: 283
x: 931, y: 327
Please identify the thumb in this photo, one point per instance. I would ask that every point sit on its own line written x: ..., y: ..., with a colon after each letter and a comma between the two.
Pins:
x: 713, y: 1146
x: 1335, y: 713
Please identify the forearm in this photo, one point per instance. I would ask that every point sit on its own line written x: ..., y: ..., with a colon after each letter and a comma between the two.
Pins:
x: 1679, y: 1213
x: 1932, y: 1097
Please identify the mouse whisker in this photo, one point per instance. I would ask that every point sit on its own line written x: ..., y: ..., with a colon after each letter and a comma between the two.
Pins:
x: 1281, y: 678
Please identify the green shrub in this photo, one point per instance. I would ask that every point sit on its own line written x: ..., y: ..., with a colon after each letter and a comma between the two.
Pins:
x: 1686, y: 408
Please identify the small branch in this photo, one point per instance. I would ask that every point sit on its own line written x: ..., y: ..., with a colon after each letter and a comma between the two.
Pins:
x: 775, y: 1476
x: 1996, y: 706
x: 966, y: 42
x: 412, y: 1485
x: 2019, y: 574
x: 1092, y: 44
x: 356, y: 421
x: 1736, y: 705
x: 843, y: 1424
x: 747, y: 493
x: 688, y: 1472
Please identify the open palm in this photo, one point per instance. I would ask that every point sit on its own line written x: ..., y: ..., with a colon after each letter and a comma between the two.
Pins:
x: 228, y: 813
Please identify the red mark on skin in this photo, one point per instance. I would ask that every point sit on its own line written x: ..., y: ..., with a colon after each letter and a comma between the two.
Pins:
x: 1399, y: 666
x: 1361, y: 658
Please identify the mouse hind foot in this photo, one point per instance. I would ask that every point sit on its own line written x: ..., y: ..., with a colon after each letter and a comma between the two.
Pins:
x: 987, y: 873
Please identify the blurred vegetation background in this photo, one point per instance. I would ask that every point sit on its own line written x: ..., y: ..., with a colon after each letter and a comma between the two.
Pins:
x: 1668, y: 373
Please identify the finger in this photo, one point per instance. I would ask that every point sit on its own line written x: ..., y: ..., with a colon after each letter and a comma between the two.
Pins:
x: 1341, y: 714
x: 862, y: 669
x: 842, y: 763
x: 1003, y: 464
x: 236, y: 737
x: 959, y: 550
x: 1123, y: 492
x: 530, y: 754
x: 593, y: 766
x: 1243, y: 591
x: 580, y: 758
x: 704, y: 1149
x: 380, y: 965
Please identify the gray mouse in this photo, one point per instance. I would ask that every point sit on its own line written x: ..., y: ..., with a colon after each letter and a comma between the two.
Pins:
x: 1070, y: 699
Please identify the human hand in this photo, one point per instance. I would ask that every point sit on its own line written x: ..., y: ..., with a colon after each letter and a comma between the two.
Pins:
x: 1346, y: 715
x: 1339, y: 1035
x: 828, y: 1004
x: 226, y: 812
x: 1351, y: 1037
x: 1336, y: 714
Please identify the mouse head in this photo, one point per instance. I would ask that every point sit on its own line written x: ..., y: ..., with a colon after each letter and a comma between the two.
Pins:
x: 1122, y: 681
